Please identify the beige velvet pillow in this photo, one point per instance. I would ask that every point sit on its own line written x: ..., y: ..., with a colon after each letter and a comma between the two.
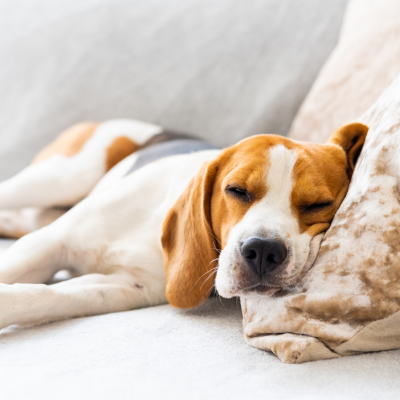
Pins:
x: 349, y: 301
x: 364, y: 63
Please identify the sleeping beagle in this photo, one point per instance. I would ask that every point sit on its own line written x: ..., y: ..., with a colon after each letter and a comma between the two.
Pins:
x: 248, y: 219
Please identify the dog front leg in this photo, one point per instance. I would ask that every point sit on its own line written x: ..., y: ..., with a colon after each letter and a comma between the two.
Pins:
x: 17, y: 223
x: 35, y: 258
x: 94, y: 294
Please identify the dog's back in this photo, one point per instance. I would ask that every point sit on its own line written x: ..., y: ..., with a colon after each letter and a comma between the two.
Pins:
x: 84, y: 159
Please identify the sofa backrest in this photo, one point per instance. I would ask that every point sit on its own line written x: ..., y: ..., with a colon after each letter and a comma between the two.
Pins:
x: 221, y: 69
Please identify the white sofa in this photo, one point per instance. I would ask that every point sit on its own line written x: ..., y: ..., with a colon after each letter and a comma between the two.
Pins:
x: 222, y: 69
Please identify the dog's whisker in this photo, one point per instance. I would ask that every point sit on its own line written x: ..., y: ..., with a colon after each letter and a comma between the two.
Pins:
x: 215, y: 259
x: 219, y: 297
x: 214, y: 248
x: 207, y: 272
x: 238, y: 302
x: 213, y: 235
x: 214, y: 272
x: 209, y: 290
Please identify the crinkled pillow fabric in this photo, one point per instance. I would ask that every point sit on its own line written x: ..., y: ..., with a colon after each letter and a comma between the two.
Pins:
x: 220, y: 69
x: 349, y: 301
x: 364, y: 63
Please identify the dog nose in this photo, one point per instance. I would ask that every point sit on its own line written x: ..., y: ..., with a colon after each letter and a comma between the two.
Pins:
x: 263, y: 255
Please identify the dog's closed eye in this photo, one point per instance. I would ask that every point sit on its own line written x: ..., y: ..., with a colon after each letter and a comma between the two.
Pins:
x: 318, y: 206
x: 238, y: 192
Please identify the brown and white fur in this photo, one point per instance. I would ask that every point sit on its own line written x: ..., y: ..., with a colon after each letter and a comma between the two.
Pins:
x: 162, y: 232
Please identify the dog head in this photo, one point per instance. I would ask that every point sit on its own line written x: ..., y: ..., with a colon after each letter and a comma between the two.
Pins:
x: 256, y: 215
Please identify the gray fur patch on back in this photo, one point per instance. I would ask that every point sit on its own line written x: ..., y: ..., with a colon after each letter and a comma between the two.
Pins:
x: 171, y: 147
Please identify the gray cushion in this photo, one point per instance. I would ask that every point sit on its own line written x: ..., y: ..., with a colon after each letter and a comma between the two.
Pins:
x: 221, y: 69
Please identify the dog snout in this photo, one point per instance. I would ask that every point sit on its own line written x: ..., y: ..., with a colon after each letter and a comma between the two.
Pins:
x: 263, y: 255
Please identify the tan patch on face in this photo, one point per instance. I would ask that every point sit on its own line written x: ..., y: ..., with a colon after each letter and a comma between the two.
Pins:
x: 120, y: 148
x: 320, y: 177
x: 242, y: 166
x: 69, y: 142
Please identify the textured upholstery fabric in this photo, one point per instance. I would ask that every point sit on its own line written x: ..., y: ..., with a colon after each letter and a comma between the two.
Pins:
x: 349, y: 301
x: 220, y: 69
x: 364, y: 63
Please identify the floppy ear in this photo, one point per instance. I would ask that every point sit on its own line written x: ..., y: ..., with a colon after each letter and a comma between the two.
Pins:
x: 189, y: 244
x: 351, y: 138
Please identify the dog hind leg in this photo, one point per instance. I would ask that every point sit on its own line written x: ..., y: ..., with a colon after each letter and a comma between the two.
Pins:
x: 59, y: 175
x: 67, y: 170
